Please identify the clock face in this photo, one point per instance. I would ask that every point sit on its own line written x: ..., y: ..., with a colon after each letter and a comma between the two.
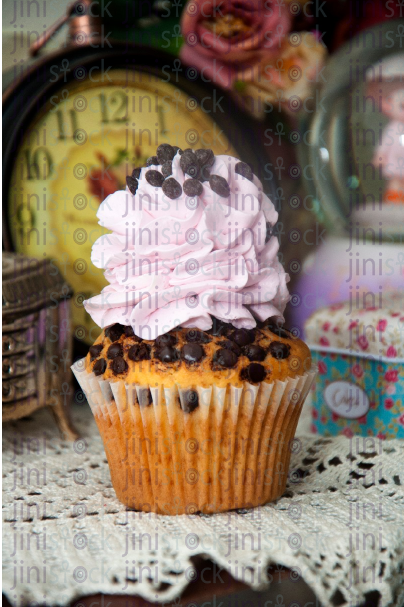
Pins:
x: 88, y: 138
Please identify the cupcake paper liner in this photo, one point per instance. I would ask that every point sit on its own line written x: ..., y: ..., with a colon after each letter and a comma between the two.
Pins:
x: 232, y: 451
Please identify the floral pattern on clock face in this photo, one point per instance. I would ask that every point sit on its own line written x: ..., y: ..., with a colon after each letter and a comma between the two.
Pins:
x: 79, y: 150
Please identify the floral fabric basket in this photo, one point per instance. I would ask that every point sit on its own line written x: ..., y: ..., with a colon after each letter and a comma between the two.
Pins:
x: 360, y: 356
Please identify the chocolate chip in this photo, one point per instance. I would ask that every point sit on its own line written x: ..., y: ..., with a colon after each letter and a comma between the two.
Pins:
x: 269, y: 229
x: 177, y: 149
x: 197, y: 337
x: 279, y: 350
x: 192, y: 187
x: 100, y: 366
x: 165, y: 152
x: 242, y: 337
x: 115, y: 331
x: 190, y: 164
x: 172, y: 188
x: 136, y: 172
x: 190, y: 401
x: 119, y: 365
x: 132, y: 184
x: 204, y: 174
x: 206, y: 158
x: 155, y: 178
x: 219, y: 185
x: 139, y: 352
x: 225, y: 358
x: 192, y: 353
x: 145, y: 398
x: 254, y: 373
x: 244, y: 170
x: 129, y: 331
x: 152, y: 161
x: 278, y: 329
x: 168, y: 339
x: 167, y: 169
x: 231, y: 345
x: 114, y: 350
x: 219, y: 327
x: 95, y: 351
x: 167, y: 354
x: 254, y: 352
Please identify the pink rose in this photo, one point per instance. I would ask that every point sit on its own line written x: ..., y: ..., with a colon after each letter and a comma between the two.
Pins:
x: 363, y: 342
x: 401, y: 419
x: 391, y: 375
x: 337, y: 306
x: 362, y: 420
x: 381, y: 325
x: 335, y: 330
x: 352, y: 325
x: 222, y: 36
x: 313, y: 429
x: 314, y: 413
x: 347, y: 432
x: 324, y: 341
x: 388, y: 403
x: 391, y: 352
x: 326, y: 326
x: 322, y: 368
x: 334, y: 417
x: 381, y: 436
x: 357, y: 371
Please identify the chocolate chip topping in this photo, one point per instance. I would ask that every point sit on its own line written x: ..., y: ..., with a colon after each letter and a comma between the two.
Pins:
x: 190, y: 401
x: 119, y: 365
x: 114, y: 350
x: 115, y: 331
x: 190, y: 164
x: 136, y: 172
x: 139, y: 352
x: 225, y: 358
x: 95, y: 351
x: 241, y: 168
x: 254, y: 373
x: 204, y: 174
x: 219, y: 327
x: 231, y: 345
x: 206, y: 158
x: 129, y: 331
x: 279, y: 350
x: 192, y: 353
x: 132, y: 184
x: 152, y: 161
x: 100, y: 366
x: 192, y: 187
x: 167, y: 169
x: 155, y: 178
x: 219, y: 185
x: 145, y: 398
x: 168, y: 339
x: 172, y: 188
x: 242, y: 337
x: 197, y: 337
x: 254, y: 352
x: 278, y: 330
x: 177, y: 149
x: 167, y: 354
x: 268, y: 233
x: 165, y: 152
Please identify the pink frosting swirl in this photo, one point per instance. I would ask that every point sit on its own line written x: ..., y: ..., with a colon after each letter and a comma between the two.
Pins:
x: 177, y: 262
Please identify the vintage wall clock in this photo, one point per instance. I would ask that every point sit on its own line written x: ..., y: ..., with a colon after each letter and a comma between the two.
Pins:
x: 77, y: 123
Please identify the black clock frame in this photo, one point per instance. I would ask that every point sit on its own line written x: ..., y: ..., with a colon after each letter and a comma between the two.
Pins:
x: 24, y: 98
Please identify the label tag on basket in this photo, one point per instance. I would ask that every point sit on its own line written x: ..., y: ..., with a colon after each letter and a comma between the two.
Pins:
x: 346, y: 399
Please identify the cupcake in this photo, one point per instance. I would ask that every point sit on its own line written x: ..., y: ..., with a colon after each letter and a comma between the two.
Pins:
x: 194, y: 384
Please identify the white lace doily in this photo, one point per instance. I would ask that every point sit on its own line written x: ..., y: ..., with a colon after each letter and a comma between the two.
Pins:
x: 340, y: 524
